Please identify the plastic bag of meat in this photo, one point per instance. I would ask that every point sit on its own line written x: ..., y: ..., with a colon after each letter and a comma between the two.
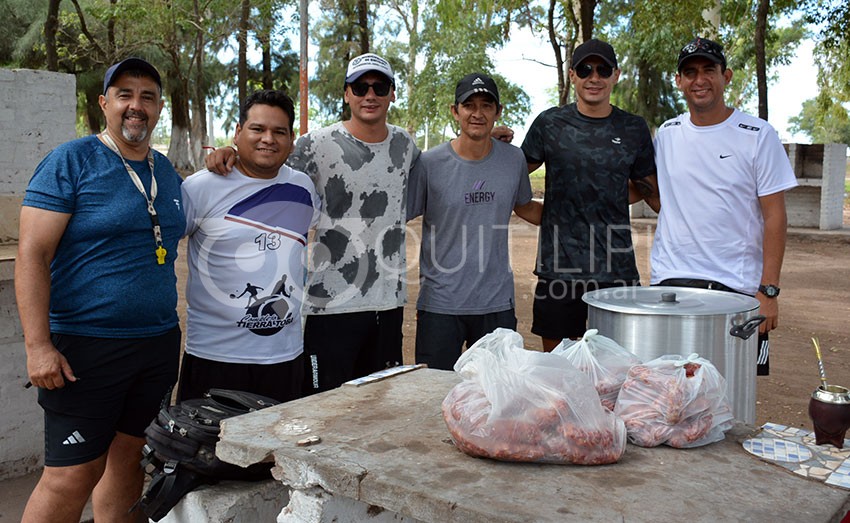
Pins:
x: 603, y: 360
x: 521, y: 405
x: 675, y: 400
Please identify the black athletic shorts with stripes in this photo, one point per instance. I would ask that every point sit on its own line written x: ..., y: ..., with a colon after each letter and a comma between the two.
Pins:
x: 121, y: 385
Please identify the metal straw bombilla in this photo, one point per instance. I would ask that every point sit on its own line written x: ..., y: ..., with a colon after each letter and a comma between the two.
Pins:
x: 820, y: 363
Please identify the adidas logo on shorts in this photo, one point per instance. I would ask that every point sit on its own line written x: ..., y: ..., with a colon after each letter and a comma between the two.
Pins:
x: 74, y: 438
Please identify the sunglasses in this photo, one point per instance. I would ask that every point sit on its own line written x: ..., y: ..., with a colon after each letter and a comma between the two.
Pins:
x: 585, y: 70
x: 361, y: 88
x: 706, y: 46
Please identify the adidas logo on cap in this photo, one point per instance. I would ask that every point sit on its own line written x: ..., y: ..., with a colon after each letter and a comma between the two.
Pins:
x: 475, y: 83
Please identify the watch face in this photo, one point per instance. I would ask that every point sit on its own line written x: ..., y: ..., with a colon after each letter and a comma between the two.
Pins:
x: 771, y: 291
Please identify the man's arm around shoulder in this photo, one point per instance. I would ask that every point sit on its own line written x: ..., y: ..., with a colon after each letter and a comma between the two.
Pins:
x: 40, y: 233
x: 645, y: 189
x: 532, y: 212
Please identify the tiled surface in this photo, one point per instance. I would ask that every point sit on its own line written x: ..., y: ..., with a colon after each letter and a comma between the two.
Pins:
x: 795, y: 449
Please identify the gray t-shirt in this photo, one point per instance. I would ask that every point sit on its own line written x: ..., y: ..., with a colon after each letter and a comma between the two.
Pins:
x: 464, y: 266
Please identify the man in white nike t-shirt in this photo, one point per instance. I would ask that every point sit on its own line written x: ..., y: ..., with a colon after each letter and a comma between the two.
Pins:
x: 722, y: 176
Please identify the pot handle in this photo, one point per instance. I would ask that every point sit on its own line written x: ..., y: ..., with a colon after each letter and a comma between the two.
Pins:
x: 746, y: 329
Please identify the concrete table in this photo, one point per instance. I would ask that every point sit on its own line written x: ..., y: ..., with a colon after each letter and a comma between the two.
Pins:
x: 386, y: 452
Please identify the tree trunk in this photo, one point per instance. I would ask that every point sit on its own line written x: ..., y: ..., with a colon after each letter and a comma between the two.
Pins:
x: 761, y: 58
x: 95, y: 120
x: 110, y: 34
x: 412, y: 51
x: 51, y: 25
x: 242, y: 64
x: 363, y: 25
x: 584, y: 14
x: 198, y: 136
x: 563, y: 88
x: 198, y: 132
x: 178, y: 149
x: 264, y: 36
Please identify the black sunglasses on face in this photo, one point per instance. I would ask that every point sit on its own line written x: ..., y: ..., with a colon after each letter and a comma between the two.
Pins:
x: 361, y: 88
x: 585, y: 70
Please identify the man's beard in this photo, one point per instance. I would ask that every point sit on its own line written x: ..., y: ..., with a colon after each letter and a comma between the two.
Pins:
x: 131, y: 135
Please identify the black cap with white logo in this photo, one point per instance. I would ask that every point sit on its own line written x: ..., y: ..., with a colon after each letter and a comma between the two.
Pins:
x: 475, y: 83
x: 704, y: 48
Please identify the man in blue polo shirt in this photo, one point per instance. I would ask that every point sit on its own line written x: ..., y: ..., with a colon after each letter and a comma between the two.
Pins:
x: 96, y: 292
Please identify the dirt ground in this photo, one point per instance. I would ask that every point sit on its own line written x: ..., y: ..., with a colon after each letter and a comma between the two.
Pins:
x: 815, y: 301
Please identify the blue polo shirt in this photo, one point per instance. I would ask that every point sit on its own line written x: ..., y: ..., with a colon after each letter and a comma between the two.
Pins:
x: 104, y: 279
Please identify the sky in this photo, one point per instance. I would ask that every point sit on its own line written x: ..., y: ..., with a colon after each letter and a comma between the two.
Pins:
x: 796, y: 82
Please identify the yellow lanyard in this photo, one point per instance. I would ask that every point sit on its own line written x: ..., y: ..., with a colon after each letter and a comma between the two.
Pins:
x: 157, y: 231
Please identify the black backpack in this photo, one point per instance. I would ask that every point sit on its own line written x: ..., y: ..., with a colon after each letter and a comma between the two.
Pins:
x: 179, y: 454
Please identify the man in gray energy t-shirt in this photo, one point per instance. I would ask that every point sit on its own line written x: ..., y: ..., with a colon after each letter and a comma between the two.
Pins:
x: 466, y: 190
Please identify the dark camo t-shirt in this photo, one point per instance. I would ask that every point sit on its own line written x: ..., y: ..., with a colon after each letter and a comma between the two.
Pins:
x: 585, y: 232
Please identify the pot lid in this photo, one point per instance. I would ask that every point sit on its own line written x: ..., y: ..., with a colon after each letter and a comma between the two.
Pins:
x: 672, y: 301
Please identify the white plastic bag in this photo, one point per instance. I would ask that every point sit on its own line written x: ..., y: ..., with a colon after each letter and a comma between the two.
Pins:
x: 675, y: 400
x: 604, y: 361
x: 521, y: 405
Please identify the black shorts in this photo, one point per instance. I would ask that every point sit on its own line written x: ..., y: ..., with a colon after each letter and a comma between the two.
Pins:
x: 341, y: 347
x: 559, y: 311
x: 440, y: 337
x: 122, y: 384
x: 280, y: 381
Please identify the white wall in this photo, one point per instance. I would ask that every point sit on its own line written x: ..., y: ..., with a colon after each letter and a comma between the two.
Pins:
x: 37, y: 112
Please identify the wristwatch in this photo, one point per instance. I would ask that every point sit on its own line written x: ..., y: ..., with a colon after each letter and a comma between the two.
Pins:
x: 771, y: 291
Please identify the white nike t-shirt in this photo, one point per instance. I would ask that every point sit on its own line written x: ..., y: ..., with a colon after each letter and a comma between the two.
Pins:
x: 710, y: 179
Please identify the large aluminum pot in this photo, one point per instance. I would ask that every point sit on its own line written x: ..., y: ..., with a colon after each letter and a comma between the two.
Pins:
x: 654, y: 321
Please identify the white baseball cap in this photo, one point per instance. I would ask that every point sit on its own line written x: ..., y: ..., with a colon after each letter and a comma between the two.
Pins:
x: 365, y: 63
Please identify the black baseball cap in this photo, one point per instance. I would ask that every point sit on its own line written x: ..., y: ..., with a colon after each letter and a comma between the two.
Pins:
x: 594, y: 47
x: 702, y: 47
x: 130, y: 64
x: 475, y: 83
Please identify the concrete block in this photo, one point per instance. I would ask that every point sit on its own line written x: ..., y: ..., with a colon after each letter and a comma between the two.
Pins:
x: 819, y: 200
x: 641, y: 210
x: 832, y: 190
x: 21, y: 434
x: 10, y: 324
x: 10, y: 210
x: 38, y: 112
x: 318, y: 506
x: 802, y: 206
x: 231, y: 501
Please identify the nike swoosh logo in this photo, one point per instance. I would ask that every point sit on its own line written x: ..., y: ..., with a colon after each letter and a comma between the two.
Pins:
x: 724, y: 156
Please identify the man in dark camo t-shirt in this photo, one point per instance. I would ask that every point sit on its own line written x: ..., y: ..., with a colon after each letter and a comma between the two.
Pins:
x: 599, y: 159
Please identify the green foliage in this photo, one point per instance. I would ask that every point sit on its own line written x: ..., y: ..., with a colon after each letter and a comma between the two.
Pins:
x: 430, y: 43
x: 823, y: 119
x: 451, y: 51
x: 648, y: 35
